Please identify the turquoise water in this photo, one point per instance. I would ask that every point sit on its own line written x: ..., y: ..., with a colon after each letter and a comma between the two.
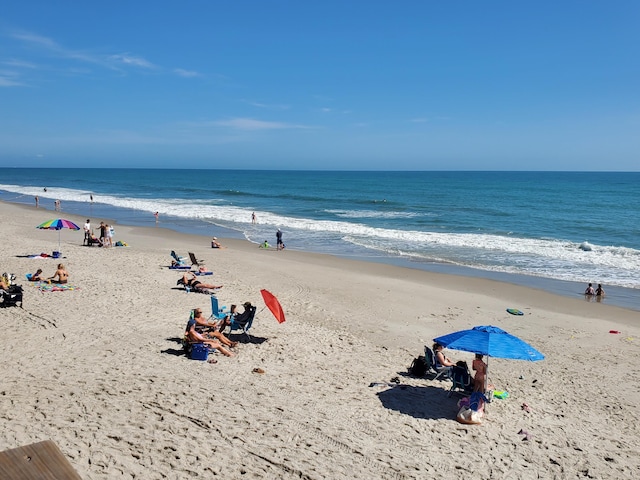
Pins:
x: 530, y: 224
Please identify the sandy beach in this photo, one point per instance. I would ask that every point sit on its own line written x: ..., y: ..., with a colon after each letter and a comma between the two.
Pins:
x: 100, y: 370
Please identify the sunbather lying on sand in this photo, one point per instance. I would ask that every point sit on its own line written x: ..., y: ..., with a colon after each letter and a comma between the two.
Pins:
x: 189, y: 279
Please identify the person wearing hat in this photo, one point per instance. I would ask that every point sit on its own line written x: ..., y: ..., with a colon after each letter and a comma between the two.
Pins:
x: 215, y: 244
x: 241, y: 319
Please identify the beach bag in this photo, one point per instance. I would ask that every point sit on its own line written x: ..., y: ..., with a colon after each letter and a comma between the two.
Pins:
x: 418, y: 367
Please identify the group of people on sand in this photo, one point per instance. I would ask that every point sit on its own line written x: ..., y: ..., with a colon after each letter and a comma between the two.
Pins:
x: 60, y: 276
x: 105, y: 239
x: 442, y: 362
x: 210, y: 331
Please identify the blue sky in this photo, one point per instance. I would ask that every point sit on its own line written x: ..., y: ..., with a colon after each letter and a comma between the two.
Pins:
x: 422, y: 85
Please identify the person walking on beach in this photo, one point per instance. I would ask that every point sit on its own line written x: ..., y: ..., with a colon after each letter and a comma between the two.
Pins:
x: 37, y: 201
x: 279, y: 244
x: 57, y: 205
x: 156, y: 215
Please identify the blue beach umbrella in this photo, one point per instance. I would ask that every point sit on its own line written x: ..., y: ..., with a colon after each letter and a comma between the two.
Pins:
x: 492, y: 342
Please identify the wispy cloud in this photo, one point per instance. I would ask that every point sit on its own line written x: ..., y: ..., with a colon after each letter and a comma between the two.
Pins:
x: 111, y: 61
x: 19, y: 64
x: 130, y: 60
x: 49, y: 45
x: 185, y: 73
x: 10, y: 82
x: 267, y: 105
x: 9, y: 78
x: 253, y: 124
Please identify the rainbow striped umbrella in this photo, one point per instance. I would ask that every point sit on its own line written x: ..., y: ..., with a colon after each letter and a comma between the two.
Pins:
x: 58, y: 224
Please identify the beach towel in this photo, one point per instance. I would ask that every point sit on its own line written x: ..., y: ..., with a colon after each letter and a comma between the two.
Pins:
x: 55, y: 287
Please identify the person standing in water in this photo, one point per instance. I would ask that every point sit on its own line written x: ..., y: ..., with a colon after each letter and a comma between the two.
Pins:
x: 279, y: 244
x: 37, y: 201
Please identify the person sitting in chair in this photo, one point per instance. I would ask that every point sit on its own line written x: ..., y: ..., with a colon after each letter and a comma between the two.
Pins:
x: 441, y: 361
x: 210, y: 329
x: 189, y: 279
x: 93, y: 239
x: 240, y: 320
x: 193, y: 336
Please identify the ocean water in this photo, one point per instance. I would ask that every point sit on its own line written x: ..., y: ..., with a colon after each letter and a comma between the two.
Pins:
x: 536, y: 228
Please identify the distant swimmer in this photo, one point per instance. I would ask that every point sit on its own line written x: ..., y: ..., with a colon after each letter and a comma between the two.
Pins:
x: 590, y: 291
x: 45, y: 189
x: 91, y: 197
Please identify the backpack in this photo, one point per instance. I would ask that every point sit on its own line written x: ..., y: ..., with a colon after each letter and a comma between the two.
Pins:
x: 418, y: 367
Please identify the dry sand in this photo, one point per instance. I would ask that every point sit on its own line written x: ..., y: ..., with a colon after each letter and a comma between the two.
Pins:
x: 98, y: 370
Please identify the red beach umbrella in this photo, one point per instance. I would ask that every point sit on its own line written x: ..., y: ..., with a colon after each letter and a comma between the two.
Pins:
x: 273, y: 304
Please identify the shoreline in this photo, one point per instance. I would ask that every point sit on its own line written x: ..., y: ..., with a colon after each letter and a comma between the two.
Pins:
x: 627, y: 298
x: 103, y: 374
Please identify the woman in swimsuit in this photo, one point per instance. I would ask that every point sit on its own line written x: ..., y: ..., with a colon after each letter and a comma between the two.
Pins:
x: 190, y: 280
x: 61, y: 275
x: 481, y: 373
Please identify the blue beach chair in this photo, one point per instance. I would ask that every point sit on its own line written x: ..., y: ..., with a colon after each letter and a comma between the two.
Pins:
x: 218, y: 312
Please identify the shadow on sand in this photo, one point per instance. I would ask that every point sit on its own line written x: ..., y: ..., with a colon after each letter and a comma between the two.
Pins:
x: 173, y: 351
x: 428, y: 402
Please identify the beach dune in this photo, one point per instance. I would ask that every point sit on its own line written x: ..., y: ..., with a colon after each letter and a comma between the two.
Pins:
x: 99, y: 369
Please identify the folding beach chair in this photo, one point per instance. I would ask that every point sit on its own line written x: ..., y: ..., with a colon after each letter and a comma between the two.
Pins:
x: 195, y: 261
x: 431, y: 361
x: 179, y: 260
x: 461, y: 379
x: 244, y: 320
x: 217, y: 312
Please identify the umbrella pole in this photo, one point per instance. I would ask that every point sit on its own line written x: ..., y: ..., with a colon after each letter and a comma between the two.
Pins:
x: 486, y: 375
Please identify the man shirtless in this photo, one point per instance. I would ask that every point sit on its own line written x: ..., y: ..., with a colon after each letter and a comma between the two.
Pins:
x: 61, y: 275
